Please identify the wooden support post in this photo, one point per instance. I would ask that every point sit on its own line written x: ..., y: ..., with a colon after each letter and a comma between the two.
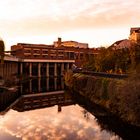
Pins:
x: 55, y: 69
x: 47, y: 70
x: 21, y: 68
x: 55, y: 83
x: 30, y: 69
x: 39, y: 85
x: 62, y: 69
x: 47, y: 82
x: 30, y: 86
x: 39, y: 69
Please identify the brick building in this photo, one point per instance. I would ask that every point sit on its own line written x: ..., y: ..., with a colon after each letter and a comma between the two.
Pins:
x: 68, y: 50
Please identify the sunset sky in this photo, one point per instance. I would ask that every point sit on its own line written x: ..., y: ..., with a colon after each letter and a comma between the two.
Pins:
x: 96, y: 22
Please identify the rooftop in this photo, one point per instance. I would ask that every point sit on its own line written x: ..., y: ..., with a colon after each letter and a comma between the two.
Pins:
x: 135, y: 29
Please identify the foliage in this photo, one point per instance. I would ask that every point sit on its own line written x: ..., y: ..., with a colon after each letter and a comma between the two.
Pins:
x: 2, y: 48
x: 121, y: 97
x: 89, y: 63
x: 105, y: 83
x: 68, y: 77
x: 130, y: 99
x: 125, y: 59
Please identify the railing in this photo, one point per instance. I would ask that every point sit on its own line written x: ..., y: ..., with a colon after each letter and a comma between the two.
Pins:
x: 101, y: 74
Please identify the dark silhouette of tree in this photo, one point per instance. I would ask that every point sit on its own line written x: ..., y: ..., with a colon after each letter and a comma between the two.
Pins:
x: 119, y: 60
x: 2, y: 48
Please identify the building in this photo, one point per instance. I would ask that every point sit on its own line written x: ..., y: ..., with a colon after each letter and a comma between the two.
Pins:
x: 32, y: 61
x: 68, y: 50
x: 70, y: 44
x: 135, y: 34
x: 121, y: 44
x: 134, y: 39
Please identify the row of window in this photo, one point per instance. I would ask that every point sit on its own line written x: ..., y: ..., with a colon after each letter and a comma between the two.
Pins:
x: 46, y: 51
x: 43, y: 51
x: 55, y: 56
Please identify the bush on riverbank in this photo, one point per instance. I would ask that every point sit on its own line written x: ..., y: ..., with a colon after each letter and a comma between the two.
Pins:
x: 121, y: 97
x: 127, y: 99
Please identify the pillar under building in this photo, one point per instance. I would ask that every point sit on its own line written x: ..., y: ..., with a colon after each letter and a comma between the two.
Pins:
x: 55, y: 69
x: 39, y: 69
x: 30, y: 69
x: 62, y: 69
x: 47, y: 70
x: 21, y: 68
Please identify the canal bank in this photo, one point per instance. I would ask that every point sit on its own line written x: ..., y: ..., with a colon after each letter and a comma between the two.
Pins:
x: 119, y: 96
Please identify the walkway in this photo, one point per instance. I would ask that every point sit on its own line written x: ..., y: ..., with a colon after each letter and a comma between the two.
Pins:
x: 101, y: 74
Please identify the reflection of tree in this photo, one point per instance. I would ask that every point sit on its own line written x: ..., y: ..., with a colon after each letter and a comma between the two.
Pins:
x: 86, y: 114
x: 108, y: 122
x: 116, y: 126
x: 111, y: 123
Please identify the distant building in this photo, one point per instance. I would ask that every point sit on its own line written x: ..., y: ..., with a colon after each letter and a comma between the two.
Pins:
x: 75, y: 44
x: 121, y: 44
x: 134, y: 38
x: 135, y: 34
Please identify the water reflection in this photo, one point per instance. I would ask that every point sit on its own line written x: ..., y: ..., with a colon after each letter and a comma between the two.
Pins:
x: 37, y: 85
x: 43, y: 100
x: 40, y: 115
x: 43, y: 124
x: 108, y: 121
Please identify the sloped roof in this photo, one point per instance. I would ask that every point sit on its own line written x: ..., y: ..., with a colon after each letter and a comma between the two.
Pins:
x: 125, y: 43
x: 116, y: 43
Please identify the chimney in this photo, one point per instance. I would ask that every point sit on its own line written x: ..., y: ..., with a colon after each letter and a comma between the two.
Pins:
x: 59, y: 42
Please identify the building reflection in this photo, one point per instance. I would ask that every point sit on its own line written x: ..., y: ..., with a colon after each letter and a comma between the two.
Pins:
x: 43, y: 100
x: 43, y: 84
x: 44, y: 93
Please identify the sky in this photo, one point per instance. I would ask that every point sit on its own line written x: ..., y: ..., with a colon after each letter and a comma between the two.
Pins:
x: 96, y: 22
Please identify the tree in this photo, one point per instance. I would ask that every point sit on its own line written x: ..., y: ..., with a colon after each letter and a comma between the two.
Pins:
x: 2, y: 48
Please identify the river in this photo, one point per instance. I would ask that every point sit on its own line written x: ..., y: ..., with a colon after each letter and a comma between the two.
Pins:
x: 66, y: 119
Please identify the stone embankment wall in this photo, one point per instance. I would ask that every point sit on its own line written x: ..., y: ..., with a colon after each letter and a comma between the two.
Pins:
x: 121, y: 97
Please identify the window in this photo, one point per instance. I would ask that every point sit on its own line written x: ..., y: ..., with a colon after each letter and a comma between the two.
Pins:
x: 36, y: 51
x: 45, y: 51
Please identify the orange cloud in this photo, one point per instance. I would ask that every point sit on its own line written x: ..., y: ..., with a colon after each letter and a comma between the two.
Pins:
x: 45, y: 18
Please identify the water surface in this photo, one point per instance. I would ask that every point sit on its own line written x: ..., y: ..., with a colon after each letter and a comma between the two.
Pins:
x: 72, y: 123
